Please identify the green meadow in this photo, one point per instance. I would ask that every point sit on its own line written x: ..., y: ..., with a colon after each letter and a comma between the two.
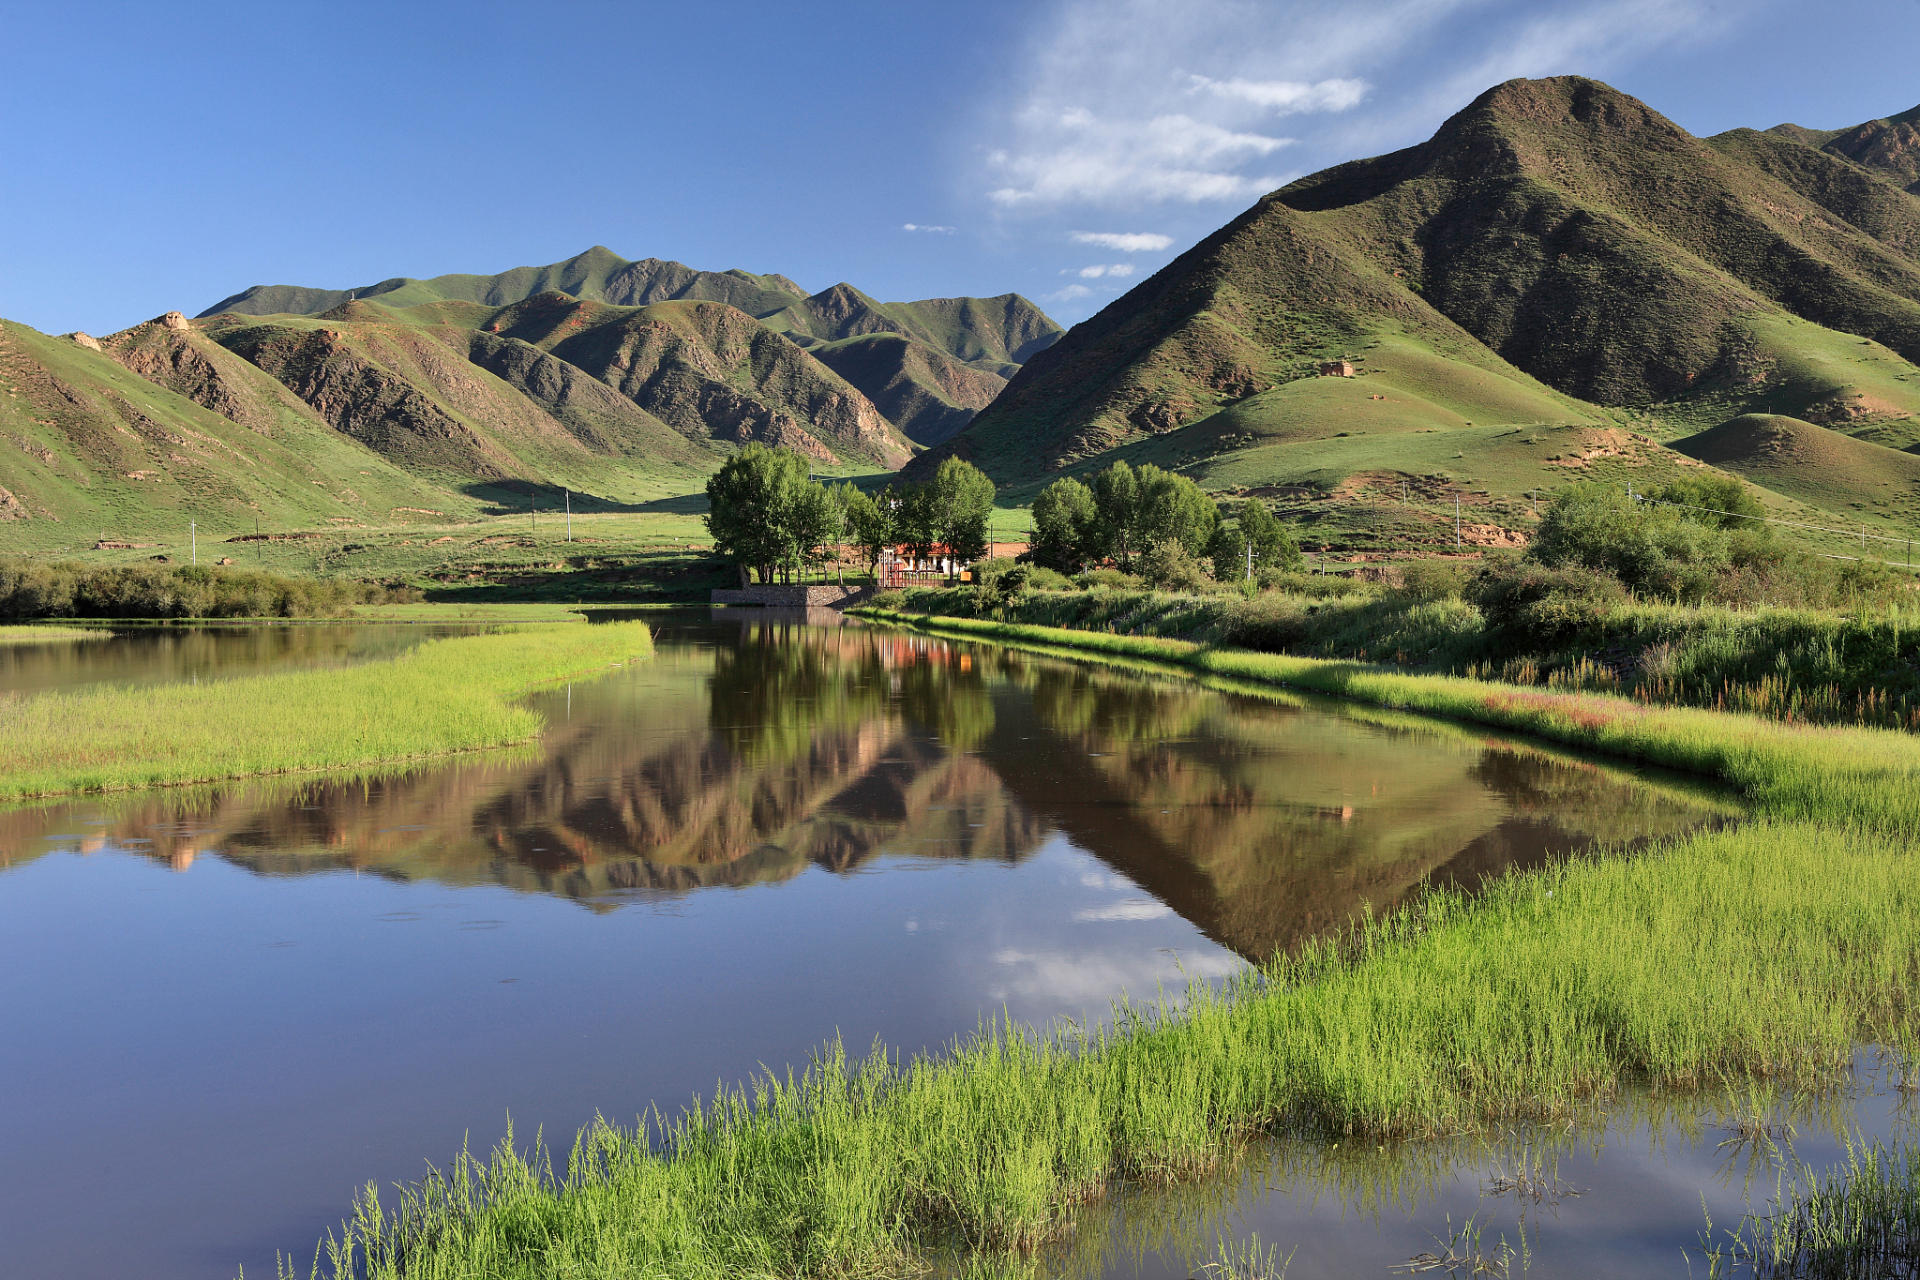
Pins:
x: 443, y: 697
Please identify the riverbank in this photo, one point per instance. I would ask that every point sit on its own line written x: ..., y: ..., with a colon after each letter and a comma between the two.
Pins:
x: 1846, y: 776
x: 1780, y: 947
x: 443, y: 697
x: 1797, y: 665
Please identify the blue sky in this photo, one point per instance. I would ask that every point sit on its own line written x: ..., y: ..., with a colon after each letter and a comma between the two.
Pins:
x: 162, y: 156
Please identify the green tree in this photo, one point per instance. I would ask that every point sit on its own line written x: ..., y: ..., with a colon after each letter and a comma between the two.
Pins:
x: 1064, y: 525
x: 954, y: 508
x: 871, y: 524
x: 751, y: 504
x: 812, y: 523
x: 1173, y: 508
x: 1273, y: 546
x: 1116, y: 526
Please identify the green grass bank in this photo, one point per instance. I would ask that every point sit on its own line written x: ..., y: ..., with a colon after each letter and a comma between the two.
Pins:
x: 443, y: 697
x: 1850, y: 776
x: 1801, y: 665
x: 1780, y: 946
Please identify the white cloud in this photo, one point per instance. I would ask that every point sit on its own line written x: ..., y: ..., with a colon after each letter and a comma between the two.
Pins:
x: 1283, y: 97
x: 1129, y: 104
x: 1103, y: 269
x: 1131, y: 909
x: 915, y: 226
x: 1067, y: 294
x: 1165, y: 157
x: 1124, y: 241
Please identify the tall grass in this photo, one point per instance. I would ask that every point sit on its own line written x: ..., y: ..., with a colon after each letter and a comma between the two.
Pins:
x: 1854, y: 776
x: 444, y: 696
x: 66, y: 589
x: 1859, y: 1220
x: 41, y: 635
x: 1778, y: 945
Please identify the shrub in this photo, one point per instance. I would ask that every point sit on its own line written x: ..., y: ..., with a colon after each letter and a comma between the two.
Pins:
x: 1041, y: 578
x: 1432, y: 579
x: 1546, y: 604
x: 1169, y: 566
x: 998, y: 583
x: 1094, y: 578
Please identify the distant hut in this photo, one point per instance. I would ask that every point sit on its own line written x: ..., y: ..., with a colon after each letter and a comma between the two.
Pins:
x: 1336, y: 369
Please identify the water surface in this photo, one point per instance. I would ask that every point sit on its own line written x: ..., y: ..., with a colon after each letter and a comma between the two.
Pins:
x: 228, y: 1007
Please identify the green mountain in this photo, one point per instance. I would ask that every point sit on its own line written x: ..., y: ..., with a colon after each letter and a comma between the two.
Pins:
x: 993, y: 336
x: 102, y: 452
x: 1889, y: 147
x: 1557, y: 256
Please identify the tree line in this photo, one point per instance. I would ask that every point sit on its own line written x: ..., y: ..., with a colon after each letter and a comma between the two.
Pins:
x: 1151, y: 517
x: 767, y: 514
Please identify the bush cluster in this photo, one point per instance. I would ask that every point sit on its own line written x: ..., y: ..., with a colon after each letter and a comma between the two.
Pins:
x: 32, y: 589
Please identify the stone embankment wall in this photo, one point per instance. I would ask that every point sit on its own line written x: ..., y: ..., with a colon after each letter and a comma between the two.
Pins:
x: 776, y: 596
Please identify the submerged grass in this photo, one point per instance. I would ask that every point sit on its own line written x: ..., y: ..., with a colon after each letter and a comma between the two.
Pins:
x: 441, y: 697
x: 40, y: 635
x: 1849, y: 776
x: 1779, y: 946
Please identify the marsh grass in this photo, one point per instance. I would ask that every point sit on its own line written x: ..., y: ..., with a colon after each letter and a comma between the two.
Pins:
x: 42, y: 635
x: 441, y: 697
x: 1781, y: 946
x: 1858, y: 1220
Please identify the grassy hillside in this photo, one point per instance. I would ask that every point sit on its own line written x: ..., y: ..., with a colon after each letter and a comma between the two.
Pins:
x: 99, y: 452
x: 1865, y: 481
x: 1557, y: 258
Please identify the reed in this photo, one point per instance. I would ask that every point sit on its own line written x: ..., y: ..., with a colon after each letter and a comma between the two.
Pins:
x: 1855, y: 776
x: 442, y: 697
x: 1779, y: 946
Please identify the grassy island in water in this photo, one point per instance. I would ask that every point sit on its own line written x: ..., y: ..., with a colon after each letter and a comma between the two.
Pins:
x: 443, y: 697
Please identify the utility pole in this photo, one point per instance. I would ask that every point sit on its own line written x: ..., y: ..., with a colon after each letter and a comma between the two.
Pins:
x: 1456, y: 522
x: 193, y: 531
x: 1249, y: 543
x: 532, y: 519
x: 569, y: 494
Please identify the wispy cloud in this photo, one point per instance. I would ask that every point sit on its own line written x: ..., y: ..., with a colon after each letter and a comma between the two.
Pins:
x: 1101, y: 269
x: 916, y: 226
x: 1131, y: 909
x: 1067, y: 294
x: 1132, y: 104
x: 1104, y: 160
x: 1124, y: 241
x: 1283, y: 97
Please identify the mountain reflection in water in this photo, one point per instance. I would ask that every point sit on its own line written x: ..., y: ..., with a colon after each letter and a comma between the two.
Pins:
x: 753, y: 747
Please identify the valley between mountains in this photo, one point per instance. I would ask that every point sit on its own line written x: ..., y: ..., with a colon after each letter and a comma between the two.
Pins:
x: 1559, y: 284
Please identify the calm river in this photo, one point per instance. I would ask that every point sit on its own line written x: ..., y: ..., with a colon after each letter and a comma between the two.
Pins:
x: 225, y: 1009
